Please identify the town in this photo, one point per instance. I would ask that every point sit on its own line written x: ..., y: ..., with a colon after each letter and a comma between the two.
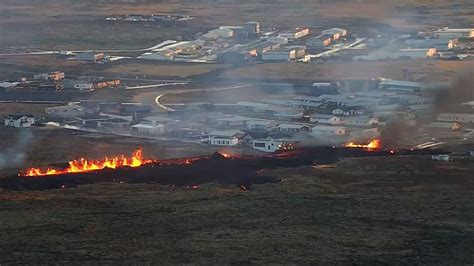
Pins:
x: 226, y: 132
x: 333, y: 112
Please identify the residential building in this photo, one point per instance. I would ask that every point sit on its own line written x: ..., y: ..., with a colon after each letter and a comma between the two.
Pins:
x: 456, y: 117
x: 278, y: 39
x: 454, y: 33
x: 221, y: 33
x: 271, y: 145
x: 325, y: 119
x: 90, y: 56
x: 84, y: 86
x: 441, y: 157
x: 19, y: 120
x: 361, y: 121
x: 113, y: 124
x: 260, y: 125
x: 66, y: 111
x: 53, y: 76
x: 226, y: 137
x: 253, y: 27
x: 295, y: 33
x: 279, y: 55
x: 348, y: 111
x: 439, y: 44
x: 292, y: 128
x: 327, y: 131
x: 320, y: 41
x: 336, y: 33
x: 400, y: 85
x: 262, y: 48
x: 147, y: 129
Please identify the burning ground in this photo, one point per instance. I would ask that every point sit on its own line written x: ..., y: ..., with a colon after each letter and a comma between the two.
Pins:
x: 378, y: 210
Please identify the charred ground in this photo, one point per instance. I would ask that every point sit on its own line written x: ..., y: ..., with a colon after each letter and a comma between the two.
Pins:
x: 357, y: 211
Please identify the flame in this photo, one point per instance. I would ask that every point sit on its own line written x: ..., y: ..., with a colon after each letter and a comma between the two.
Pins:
x: 373, y: 145
x: 83, y: 165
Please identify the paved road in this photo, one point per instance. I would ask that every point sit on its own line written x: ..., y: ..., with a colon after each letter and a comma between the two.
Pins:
x: 154, y: 98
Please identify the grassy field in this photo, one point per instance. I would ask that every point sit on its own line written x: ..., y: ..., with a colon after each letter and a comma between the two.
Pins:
x: 68, y: 24
x: 160, y: 69
x: 363, y: 211
x: 430, y: 70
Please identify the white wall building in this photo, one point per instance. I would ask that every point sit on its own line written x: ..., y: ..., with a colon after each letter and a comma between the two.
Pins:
x: 363, y: 121
x: 325, y: 119
x: 439, y: 44
x: 66, y: 111
x: 279, y: 55
x: 295, y: 33
x: 421, y: 53
x: 84, y: 86
x: 147, y: 129
x: 19, y: 121
x: 225, y: 138
x: 270, y: 145
x: 292, y: 128
x: 319, y: 41
x: 327, y: 131
x: 365, y: 134
x: 456, y: 117
x: 454, y: 33
x: 260, y: 125
x: 221, y: 33
x: 278, y: 39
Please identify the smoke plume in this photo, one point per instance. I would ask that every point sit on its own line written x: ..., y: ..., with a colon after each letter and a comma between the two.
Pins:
x: 15, y: 155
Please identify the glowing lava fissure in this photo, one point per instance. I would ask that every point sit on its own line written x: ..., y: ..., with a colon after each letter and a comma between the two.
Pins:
x: 83, y: 165
x: 373, y: 145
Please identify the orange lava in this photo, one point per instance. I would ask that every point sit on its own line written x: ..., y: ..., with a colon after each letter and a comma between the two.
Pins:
x: 373, y: 145
x: 83, y: 165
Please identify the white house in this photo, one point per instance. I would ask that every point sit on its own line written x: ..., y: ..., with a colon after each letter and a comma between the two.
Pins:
x: 260, y: 125
x: 327, y: 131
x: 222, y: 32
x: 19, y: 121
x: 226, y: 137
x: 271, y: 145
x: 454, y: 33
x: 442, y: 157
x: 325, y: 119
x: 292, y: 128
x: 66, y: 111
x: 148, y: 129
x: 364, y: 134
x: 348, y: 111
x: 361, y: 120
x: 456, y: 117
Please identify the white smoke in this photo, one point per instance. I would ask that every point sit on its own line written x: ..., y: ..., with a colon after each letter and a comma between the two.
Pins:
x: 15, y: 155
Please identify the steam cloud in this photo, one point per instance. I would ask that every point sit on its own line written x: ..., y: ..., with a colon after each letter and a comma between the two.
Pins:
x: 15, y: 155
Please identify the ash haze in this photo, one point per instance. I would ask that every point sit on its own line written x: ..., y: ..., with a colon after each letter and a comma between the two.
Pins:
x: 236, y: 132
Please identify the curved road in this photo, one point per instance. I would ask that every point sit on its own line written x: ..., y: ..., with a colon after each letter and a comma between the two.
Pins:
x: 154, y: 98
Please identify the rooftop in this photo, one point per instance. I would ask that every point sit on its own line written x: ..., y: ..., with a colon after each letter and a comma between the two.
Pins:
x: 226, y: 133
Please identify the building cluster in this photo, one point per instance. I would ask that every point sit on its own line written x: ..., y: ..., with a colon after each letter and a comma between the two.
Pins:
x: 19, y: 120
x: 439, y: 44
x: 57, y: 81
x: 247, y: 42
x: 152, y: 18
x: 270, y: 124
